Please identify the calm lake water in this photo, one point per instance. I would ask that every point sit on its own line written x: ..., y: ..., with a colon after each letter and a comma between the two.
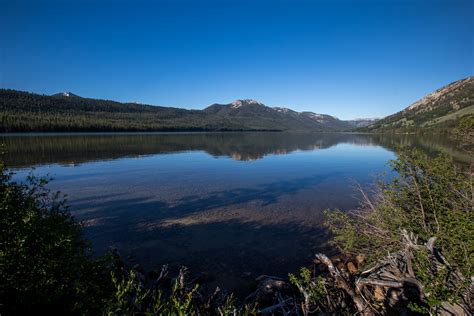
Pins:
x: 229, y: 205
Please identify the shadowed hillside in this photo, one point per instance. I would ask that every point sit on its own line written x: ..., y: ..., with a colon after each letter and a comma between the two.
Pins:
x: 67, y: 112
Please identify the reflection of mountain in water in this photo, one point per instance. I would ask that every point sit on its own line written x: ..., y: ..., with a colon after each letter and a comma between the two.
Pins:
x: 73, y: 149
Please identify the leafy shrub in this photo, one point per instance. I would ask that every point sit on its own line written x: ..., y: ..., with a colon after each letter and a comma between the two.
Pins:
x: 45, y: 263
x: 464, y: 132
x: 313, y: 290
x: 430, y: 198
x: 131, y: 296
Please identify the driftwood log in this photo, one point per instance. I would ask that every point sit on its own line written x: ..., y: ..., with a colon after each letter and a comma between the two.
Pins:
x: 387, y: 287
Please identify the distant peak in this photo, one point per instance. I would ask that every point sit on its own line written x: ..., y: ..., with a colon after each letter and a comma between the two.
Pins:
x: 65, y: 94
x: 366, y: 119
x: 239, y: 103
x: 318, y: 117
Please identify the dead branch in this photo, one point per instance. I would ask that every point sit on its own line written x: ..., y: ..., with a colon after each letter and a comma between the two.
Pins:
x: 342, y: 283
x: 381, y: 283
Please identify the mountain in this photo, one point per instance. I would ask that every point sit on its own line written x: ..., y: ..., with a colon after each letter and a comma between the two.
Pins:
x: 326, y: 121
x: 29, y: 112
x: 244, y: 107
x: 257, y: 114
x: 65, y: 94
x: 66, y: 111
x: 442, y: 108
x: 362, y: 122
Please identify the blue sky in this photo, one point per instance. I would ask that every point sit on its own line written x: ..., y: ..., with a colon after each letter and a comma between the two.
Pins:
x: 345, y: 58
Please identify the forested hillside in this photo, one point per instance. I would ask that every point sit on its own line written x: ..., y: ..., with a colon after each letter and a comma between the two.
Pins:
x: 66, y: 112
x: 28, y: 112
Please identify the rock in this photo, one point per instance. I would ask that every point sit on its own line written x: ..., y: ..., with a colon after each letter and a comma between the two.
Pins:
x: 269, y: 285
x: 317, y: 261
x: 351, y: 268
x: 341, y: 266
x: 359, y: 259
x: 379, y: 294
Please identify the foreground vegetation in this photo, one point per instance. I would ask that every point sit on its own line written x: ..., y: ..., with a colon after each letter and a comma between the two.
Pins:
x: 414, y: 242
x: 426, y: 216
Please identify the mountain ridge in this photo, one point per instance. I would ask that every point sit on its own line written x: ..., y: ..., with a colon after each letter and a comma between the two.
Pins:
x: 65, y: 111
x: 441, y: 108
x: 30, y: 112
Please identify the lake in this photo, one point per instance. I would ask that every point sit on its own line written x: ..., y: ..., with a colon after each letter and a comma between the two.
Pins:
x: 230, y: 206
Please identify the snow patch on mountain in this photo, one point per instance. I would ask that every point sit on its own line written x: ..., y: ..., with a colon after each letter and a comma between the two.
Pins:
x: 282, y: 110
x: 238, y: 103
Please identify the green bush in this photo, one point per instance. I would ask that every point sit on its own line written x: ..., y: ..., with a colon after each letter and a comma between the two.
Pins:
x: 45, y: 263
x: 131, y: 296
x: 430, y: 197
x: 313, y: 290
x: 464, y: 133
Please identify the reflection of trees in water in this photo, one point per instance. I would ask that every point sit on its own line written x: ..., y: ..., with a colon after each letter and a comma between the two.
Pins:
x: 431, y: 144
x: 43, y: 149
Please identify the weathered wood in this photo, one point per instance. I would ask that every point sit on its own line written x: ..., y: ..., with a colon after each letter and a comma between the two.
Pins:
x: 381, y: 283
x: 344, y: 285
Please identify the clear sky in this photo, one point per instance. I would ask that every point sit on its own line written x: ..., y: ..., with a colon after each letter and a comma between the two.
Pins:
x: 345, y: 58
